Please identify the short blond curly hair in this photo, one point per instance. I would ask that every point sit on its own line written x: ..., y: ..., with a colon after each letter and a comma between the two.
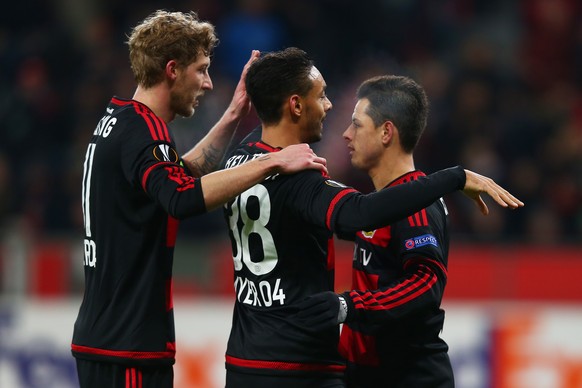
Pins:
x: 165, y: 36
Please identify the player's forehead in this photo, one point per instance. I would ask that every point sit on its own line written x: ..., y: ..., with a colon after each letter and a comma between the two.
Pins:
x: 201, y: 60
x: 361, y: 108
x: 317, y: 78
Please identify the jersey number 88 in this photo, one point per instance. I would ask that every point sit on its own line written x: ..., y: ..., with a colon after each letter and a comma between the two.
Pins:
x: 252, y: 223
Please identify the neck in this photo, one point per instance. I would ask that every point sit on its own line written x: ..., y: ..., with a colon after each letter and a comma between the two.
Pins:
x: 156, y: 99
x: 390, y: 167
x: 281, y: 135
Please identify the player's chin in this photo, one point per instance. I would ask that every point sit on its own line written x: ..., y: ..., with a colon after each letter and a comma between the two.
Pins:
x: 189, y: 112
x: 316, y: 137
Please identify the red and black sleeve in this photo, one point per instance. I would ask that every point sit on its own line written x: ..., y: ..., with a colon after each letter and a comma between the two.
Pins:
x: 421, y: 244
x: 150, y: 160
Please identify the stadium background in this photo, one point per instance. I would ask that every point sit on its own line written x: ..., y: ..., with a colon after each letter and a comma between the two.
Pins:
x: 505, y: 82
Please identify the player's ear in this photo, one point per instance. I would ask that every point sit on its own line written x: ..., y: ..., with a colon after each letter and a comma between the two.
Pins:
x: 171, y: 70
x: 388, y: 132
x: 295, y: 105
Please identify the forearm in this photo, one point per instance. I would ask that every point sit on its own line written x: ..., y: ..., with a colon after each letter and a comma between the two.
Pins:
x: 206, y: 155
x: 372, y: 211
x: 222, y: 186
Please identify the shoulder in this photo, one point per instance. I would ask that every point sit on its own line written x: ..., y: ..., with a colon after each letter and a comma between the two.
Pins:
x: 139, y: 120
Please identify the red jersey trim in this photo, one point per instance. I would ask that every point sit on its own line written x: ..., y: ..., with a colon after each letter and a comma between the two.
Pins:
x: 172, y: 231
x: 408, y: 177
x: 265, y: 146
x: 333, y: 204
x: 330, y: 254
x: 157, y: 126
x: 125, y: 353
x: 397, y: 296
x: 120, y: 102
x: 148, y: 171
x: 424, y: 260
x: 281, y: 365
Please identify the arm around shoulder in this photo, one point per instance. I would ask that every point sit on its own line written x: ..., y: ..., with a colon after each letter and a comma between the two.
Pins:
x: 221, y: 186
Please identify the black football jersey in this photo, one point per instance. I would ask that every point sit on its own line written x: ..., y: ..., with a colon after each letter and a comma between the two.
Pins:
x: 283, y: 252
x: 399, y: 276
x: 134, y: 191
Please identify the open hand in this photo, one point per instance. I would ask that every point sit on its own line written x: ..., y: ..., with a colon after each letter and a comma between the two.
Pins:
x: 476, y: 184
x: 297, y: 157
x: 241, y: 104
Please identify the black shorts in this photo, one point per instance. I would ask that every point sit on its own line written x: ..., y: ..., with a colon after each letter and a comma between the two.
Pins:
x: 244, y: 380
x: 94, y: 374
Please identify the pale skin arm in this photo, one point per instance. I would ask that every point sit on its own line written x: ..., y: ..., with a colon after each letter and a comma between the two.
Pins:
x: 476, y: 184
x: 205, y: 156
x: 221, y: 186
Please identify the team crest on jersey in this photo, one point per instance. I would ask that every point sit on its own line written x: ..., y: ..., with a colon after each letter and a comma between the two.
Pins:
x: 331, y: 183
x: 368, y: 234
x: 420, y: 241
x: 165, y: 153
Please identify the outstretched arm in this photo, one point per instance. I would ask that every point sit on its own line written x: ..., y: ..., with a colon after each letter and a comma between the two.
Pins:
x: 372, y: 211
x: 205, y: 156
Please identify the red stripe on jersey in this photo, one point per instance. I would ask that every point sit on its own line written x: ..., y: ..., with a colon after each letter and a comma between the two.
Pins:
x: 333, y: 203
x: 281, y: 365
x: 418, y: 219
x: 146, y: 174
x: 169, y: 295
x: 425, y: 260
x: 408, y: 177
x: 158, y: 127
x: 424, y: 217
x: 397, y: 296
x: 330, y: 254
x: 119, y: 102
x: 358, y: 348
x: 133, y: 378
x: 265, y: 146
x: 147, y: 117
x: 162, y: 128
x: 123, y: 353
x: 411, y: 221
x: 364, y: 281
x: 172, y: 231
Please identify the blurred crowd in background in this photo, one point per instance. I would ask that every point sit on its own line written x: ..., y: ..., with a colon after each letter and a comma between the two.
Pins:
x: 504, y: 78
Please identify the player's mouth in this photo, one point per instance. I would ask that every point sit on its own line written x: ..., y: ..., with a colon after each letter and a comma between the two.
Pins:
x: 197, y: 100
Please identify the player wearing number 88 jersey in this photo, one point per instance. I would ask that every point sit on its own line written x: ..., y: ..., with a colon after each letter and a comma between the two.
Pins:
x: 280, y: 258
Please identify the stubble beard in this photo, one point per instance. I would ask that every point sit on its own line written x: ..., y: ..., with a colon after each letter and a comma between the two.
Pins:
x: 181, y: 105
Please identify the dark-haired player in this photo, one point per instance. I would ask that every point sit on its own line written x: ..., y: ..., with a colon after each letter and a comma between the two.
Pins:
x: 392, y: 317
